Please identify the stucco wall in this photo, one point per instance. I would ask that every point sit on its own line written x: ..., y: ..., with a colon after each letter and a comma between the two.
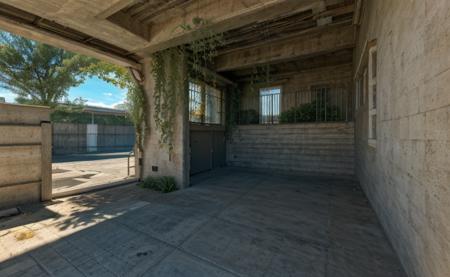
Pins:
x: 323, y: 148
x: 407, y: 175
x: 25, y: 154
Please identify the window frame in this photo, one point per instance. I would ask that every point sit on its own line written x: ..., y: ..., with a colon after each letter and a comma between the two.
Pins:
x: 203, y: 103
x: 270, y: 88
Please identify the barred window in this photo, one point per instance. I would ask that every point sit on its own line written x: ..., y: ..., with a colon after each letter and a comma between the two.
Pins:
x: 206, y: 104
x: 269, y: 101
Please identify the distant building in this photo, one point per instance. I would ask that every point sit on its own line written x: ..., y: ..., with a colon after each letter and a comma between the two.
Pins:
x: 2, y: 100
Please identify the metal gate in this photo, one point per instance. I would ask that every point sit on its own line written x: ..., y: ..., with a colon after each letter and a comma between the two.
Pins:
x: 207, y: 148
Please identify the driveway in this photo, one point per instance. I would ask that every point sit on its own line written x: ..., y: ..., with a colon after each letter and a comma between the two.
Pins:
x: 232, y: 222
x: 73, y: 173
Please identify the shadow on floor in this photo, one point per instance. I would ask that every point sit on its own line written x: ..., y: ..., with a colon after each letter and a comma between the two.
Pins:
x: 231, y: 223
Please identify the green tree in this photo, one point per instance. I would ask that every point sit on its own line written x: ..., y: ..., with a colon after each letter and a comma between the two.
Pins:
x: 38, y: 73
x: 135, y: 102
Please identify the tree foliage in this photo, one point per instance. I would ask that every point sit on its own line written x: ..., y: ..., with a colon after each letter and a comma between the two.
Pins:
x: 135, y: 102
x: 38, y: 73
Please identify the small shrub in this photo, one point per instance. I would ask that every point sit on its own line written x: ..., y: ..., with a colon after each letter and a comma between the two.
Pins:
x: 311, y: 112
x: 163, y: 184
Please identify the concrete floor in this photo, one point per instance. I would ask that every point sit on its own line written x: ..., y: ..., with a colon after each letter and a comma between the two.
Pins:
x: 74, y: 173
x: 230, y: 223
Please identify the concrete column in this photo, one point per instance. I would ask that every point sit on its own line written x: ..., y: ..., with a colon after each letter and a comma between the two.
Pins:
x: 156, y: 160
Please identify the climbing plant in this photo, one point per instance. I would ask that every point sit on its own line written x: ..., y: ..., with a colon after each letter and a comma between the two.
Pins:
x: 171, y: 79
x: 137, y: 111
x: 203, y: 48
x: 260, y: 75
x: 232, y: 110
x: 169, y: 91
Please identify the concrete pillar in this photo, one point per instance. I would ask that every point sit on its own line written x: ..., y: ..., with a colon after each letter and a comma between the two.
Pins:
x: 156, y: 160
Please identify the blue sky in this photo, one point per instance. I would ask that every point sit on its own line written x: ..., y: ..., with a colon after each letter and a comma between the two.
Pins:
x: 95, y: 91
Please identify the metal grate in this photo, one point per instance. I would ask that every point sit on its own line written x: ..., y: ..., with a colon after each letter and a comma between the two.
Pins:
x: 314, y: 104
x: 206, y: 104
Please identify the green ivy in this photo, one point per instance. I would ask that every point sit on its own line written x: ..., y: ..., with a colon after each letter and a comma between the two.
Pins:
x: 137, y: 111
x: 311, y: 112
x: 164, y: 184
x: 171, y: 79
x: 169, y: 91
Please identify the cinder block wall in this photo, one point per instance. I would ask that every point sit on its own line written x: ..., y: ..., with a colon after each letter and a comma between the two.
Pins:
x: 70, y: 138
x: 407, y: 176
x: 322, y: 148
x: 25, y: 154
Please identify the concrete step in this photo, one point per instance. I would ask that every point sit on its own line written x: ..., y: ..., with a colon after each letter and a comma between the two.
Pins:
x: 289, y: 160
x: 327, y: 154
x: 295, y: 132
x: 299, y: 169
x: 343, y: 149
x: 303, y: 143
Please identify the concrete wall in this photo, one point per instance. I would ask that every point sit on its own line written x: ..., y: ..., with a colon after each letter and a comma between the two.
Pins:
x: 407, y: 175
x: 306, y: 148
x: 156, y: 159
x: 25, y: 154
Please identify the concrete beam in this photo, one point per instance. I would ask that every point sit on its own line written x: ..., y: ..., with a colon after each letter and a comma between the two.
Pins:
x: 221, y: 15
x: 34, y: 33
x: 115, y: 7
x: 328, y: 40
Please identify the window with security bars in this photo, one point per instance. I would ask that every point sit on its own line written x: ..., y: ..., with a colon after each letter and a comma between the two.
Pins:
x: 269, y: 102
x: 206, y: 104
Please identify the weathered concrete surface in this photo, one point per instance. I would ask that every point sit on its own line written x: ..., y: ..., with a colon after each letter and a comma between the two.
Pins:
x: 309, y: 148
x: 231, y: 223
x: 407, y: 176
x: 95, y: 170
x: 25, y: 161
x: 157, y: 160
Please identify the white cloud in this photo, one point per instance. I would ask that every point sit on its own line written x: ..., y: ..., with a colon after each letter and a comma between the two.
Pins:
x: 101, y: 104
x: 9, y: 96
x: 109, y: 94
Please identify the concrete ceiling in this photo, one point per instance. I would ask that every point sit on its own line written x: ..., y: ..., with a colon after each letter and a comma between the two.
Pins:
x: 126, y: 31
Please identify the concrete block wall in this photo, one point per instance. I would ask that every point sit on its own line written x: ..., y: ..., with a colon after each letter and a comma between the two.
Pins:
x: 407, y: 176
x: 25, y: 154
x: 322, y: 148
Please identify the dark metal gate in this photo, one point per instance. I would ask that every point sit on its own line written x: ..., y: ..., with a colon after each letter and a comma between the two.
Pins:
x: 207, y: 148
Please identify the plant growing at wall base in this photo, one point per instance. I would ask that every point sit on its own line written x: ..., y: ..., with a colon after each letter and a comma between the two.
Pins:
x: 164, y: 184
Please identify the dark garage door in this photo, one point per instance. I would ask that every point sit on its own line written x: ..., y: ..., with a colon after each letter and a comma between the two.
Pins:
x: 207, y: 148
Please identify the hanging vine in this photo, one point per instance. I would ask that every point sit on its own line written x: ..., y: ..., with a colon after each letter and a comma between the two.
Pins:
x: 171, y: 78
x: 169, y: 89
x: 203, y: 48
x: 137, y: 107
x: 232, y: 110
x: 260, y: 75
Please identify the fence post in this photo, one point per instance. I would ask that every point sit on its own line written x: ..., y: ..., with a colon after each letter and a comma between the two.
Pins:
x: 46, y: 161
